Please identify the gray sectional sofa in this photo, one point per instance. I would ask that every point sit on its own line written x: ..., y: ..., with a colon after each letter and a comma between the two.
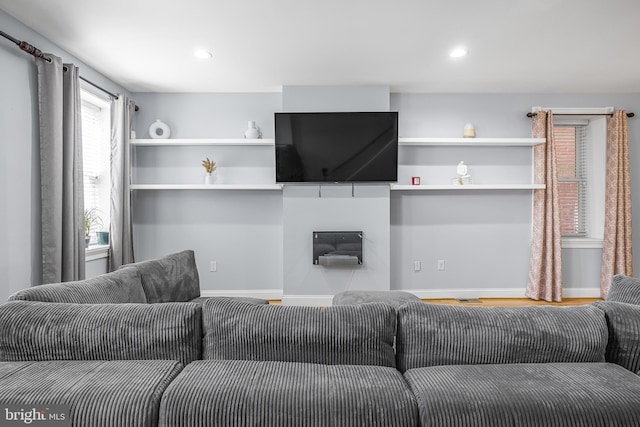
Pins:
x: 168, y: 357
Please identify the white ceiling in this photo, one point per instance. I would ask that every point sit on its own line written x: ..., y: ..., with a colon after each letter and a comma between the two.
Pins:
x: 515, y: 46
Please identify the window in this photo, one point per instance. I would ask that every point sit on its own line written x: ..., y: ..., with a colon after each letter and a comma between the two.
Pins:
x: 571, y: 157
x: 581, y: 163
x: 96, y: 154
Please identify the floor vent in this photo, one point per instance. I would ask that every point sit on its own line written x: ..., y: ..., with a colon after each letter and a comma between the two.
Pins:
x: 468, y: 300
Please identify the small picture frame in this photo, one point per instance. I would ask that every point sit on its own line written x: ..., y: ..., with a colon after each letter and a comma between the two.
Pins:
x: 415, y: 180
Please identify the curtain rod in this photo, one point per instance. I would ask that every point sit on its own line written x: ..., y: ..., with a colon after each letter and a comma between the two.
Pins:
x: 579, y: 114
x: 32, y: 50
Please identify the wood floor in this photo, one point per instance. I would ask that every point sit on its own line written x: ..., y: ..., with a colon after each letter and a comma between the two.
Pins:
x: 500, y: 302
x: 513, y: 302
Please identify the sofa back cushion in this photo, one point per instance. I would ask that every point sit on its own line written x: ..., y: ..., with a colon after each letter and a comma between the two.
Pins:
x: 173, y: 278
x: 120, y: 286
x: 434, y: 334
x: 59, y: 331
x: 344, y: 335
x: 623, y: 321
x: 624, y: 289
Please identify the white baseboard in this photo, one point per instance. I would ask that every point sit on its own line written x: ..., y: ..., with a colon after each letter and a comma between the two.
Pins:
x: 308, y: 300
x: 581, y: 293
x: 258, y: 293
x: 497, y: 293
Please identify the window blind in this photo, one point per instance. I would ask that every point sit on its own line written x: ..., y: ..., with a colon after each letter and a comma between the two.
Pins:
x: 96, y: 159
x: 571, y: 157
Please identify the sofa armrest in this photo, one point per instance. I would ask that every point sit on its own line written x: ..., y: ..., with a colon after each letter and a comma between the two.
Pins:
x: 624, y: 289
x: 173, y: 278
x: 120, y: 286
x: 623, y: 321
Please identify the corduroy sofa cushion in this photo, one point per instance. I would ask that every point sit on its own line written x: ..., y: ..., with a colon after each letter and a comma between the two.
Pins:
x: 527, y: 395
x: 98, y: 393
x: 173, y: 278
x: 393, y: 298
x: 251, y: 300
x: 438, y: 334
x: 120, y: 286
x: 57, y: 331
x: 345, y: 335
x: 623, y: 321
x: 624, y: 289
x: 257, y: 393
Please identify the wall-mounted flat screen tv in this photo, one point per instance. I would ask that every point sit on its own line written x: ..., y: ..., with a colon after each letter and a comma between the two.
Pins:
x: 336, y: 147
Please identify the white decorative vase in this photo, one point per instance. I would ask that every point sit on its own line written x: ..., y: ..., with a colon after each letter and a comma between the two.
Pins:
x: 252, y: 131
x: 159, y: 130
x: 210, y: 178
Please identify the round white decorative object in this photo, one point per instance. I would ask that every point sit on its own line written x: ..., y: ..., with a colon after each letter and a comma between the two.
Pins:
x: 159, y: 130
x: 210, y: 178
x: 252, y: 131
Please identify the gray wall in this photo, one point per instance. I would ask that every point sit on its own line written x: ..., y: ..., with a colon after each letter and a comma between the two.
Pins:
x: 240, y: 230
x: 484, y: 236
x: 20, y: 172
x: 304, y: 211
x: 207, y: 115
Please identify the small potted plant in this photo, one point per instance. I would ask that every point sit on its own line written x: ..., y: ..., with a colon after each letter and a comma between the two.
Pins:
x: 102, y: 237
x: 210, y: 168
x: 91, y: 219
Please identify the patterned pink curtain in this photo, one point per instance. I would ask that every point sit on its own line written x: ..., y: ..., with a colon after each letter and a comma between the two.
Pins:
x: 616, y: 251
x: 545, y: 265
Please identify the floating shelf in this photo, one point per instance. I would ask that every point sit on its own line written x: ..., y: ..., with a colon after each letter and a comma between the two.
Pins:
x: 402, y: 187
x: 206, y: 142
x: 469, y: 142
x: 260, y: 187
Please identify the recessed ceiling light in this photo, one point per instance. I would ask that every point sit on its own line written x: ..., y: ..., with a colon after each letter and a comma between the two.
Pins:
x: 202, y: 54
x: 458, y: 52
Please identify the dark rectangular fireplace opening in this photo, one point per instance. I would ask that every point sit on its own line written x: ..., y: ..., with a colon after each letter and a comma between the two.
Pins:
x: 337, y: 248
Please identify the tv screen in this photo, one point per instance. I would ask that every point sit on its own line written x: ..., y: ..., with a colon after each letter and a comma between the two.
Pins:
x: 336, y: 147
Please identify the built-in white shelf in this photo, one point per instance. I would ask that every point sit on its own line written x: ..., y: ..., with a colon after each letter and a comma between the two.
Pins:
x: 469, y: 142
x: 260, y: 187
x: 402, y: 187
x: 249, y: 166
x: 206, y: 142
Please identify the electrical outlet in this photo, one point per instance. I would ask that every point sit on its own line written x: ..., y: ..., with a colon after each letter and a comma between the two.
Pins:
x: 417, y: 266
x: 213, y: 266
x: 440, y: 265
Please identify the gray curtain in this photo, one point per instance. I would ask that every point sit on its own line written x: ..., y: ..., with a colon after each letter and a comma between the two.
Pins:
x: 63, y: 246
x: 121, y: 241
